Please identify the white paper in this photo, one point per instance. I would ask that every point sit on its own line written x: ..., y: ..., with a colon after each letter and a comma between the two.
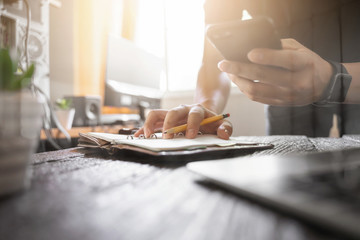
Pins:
x: 159, y: 144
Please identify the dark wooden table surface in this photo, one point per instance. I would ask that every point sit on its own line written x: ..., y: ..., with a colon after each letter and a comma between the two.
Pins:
x: 82, y: 194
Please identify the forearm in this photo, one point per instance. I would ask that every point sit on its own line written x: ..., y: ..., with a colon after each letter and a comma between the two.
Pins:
x: 213, y: 88
x: 353, y: 95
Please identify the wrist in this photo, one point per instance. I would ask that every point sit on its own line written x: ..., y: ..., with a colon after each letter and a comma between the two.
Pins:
x: 337, y: 87
x: 325, y: 74
x: 209, y: 105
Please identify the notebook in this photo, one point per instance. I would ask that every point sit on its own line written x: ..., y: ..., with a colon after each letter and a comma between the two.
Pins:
x: 156, y: 146
x: 323, y: 188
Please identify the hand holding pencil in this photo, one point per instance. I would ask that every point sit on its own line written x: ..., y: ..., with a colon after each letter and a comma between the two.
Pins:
x: 183, y: 127
x: 197, y: 118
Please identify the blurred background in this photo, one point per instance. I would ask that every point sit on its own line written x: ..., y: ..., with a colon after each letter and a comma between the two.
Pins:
x: 171, y: 30
x: 116, y: 59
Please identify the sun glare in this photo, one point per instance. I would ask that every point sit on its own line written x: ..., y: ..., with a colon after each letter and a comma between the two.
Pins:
x: 173, y: 30
x: 246, y: 15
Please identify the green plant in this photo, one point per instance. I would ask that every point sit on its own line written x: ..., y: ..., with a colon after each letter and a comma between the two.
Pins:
x: 63, y: 104
x: 11, y: 77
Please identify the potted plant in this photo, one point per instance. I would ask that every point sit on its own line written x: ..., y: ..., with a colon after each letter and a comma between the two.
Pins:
x: 20, y: 124
x: 64, y: 112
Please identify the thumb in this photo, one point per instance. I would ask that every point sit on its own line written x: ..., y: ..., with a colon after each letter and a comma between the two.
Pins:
x: 225, y: 130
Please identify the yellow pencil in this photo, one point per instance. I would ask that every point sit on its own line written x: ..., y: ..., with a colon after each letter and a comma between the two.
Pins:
x: 183, y: 127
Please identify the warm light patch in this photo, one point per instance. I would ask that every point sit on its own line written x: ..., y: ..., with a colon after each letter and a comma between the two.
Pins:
x: 246, y: 15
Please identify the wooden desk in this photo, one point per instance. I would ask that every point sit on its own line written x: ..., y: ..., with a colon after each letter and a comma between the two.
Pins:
x: 81, y: 194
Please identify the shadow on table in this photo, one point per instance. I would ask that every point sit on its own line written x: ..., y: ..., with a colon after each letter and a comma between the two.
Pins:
x: 164, y: 161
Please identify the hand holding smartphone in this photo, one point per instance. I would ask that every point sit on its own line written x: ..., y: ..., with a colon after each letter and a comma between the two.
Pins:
x: 235, y: 39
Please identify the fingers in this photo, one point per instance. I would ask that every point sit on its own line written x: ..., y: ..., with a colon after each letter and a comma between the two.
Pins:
x: 139, y: 132
x: 261, y: 93
x: 154, y: 120
x: 288, y: 59
x: 175, y: 117
x: 265, y: 74
x: 270, y: 94
x: 255, y: 89
x: 225, y: 130
x: 196, y: 115
x: 190, y: 114
x: 294, y: 56
x: 287, y: 77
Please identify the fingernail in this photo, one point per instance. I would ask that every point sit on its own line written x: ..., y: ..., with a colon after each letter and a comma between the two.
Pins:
x: 255, y: 56
x: 223, y: 128
x: 190, y: 133
x: 224, y: 66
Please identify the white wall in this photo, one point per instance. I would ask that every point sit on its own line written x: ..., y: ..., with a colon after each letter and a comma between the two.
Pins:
x: 247, y: 117
x: 62, y: 50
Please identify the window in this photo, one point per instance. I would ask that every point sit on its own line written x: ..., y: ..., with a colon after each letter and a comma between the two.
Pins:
x: 173, y: 30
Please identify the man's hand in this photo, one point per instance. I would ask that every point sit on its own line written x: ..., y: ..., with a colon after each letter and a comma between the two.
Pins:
x: 292, y: 76
x: 190, y: 114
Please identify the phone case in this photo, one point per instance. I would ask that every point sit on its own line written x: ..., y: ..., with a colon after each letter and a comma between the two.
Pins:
x: 234, y: 39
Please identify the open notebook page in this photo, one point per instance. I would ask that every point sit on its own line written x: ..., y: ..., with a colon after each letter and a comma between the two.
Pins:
x: 159, y: 144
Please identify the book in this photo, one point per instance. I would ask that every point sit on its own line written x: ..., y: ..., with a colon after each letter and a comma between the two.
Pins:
x: 203, y: 146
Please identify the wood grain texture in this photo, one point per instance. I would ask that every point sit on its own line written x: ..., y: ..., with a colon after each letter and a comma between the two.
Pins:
x: 82, y: 194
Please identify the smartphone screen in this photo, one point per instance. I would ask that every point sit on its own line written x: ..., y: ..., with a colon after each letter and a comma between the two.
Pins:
x: 234, y: 39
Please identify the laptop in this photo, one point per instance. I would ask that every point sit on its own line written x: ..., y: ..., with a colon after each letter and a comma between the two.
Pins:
x: 323, y: 188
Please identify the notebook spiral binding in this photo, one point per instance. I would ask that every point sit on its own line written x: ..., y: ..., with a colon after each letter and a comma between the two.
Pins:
x: 153, y: 136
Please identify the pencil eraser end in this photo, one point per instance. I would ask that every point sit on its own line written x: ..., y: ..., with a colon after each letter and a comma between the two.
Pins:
x: 226, y: 115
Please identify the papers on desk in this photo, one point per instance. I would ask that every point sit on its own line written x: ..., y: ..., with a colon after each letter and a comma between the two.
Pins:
x: 157, y: 146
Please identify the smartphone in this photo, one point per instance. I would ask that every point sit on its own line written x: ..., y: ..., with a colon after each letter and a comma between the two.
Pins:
x: 234, y: 39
